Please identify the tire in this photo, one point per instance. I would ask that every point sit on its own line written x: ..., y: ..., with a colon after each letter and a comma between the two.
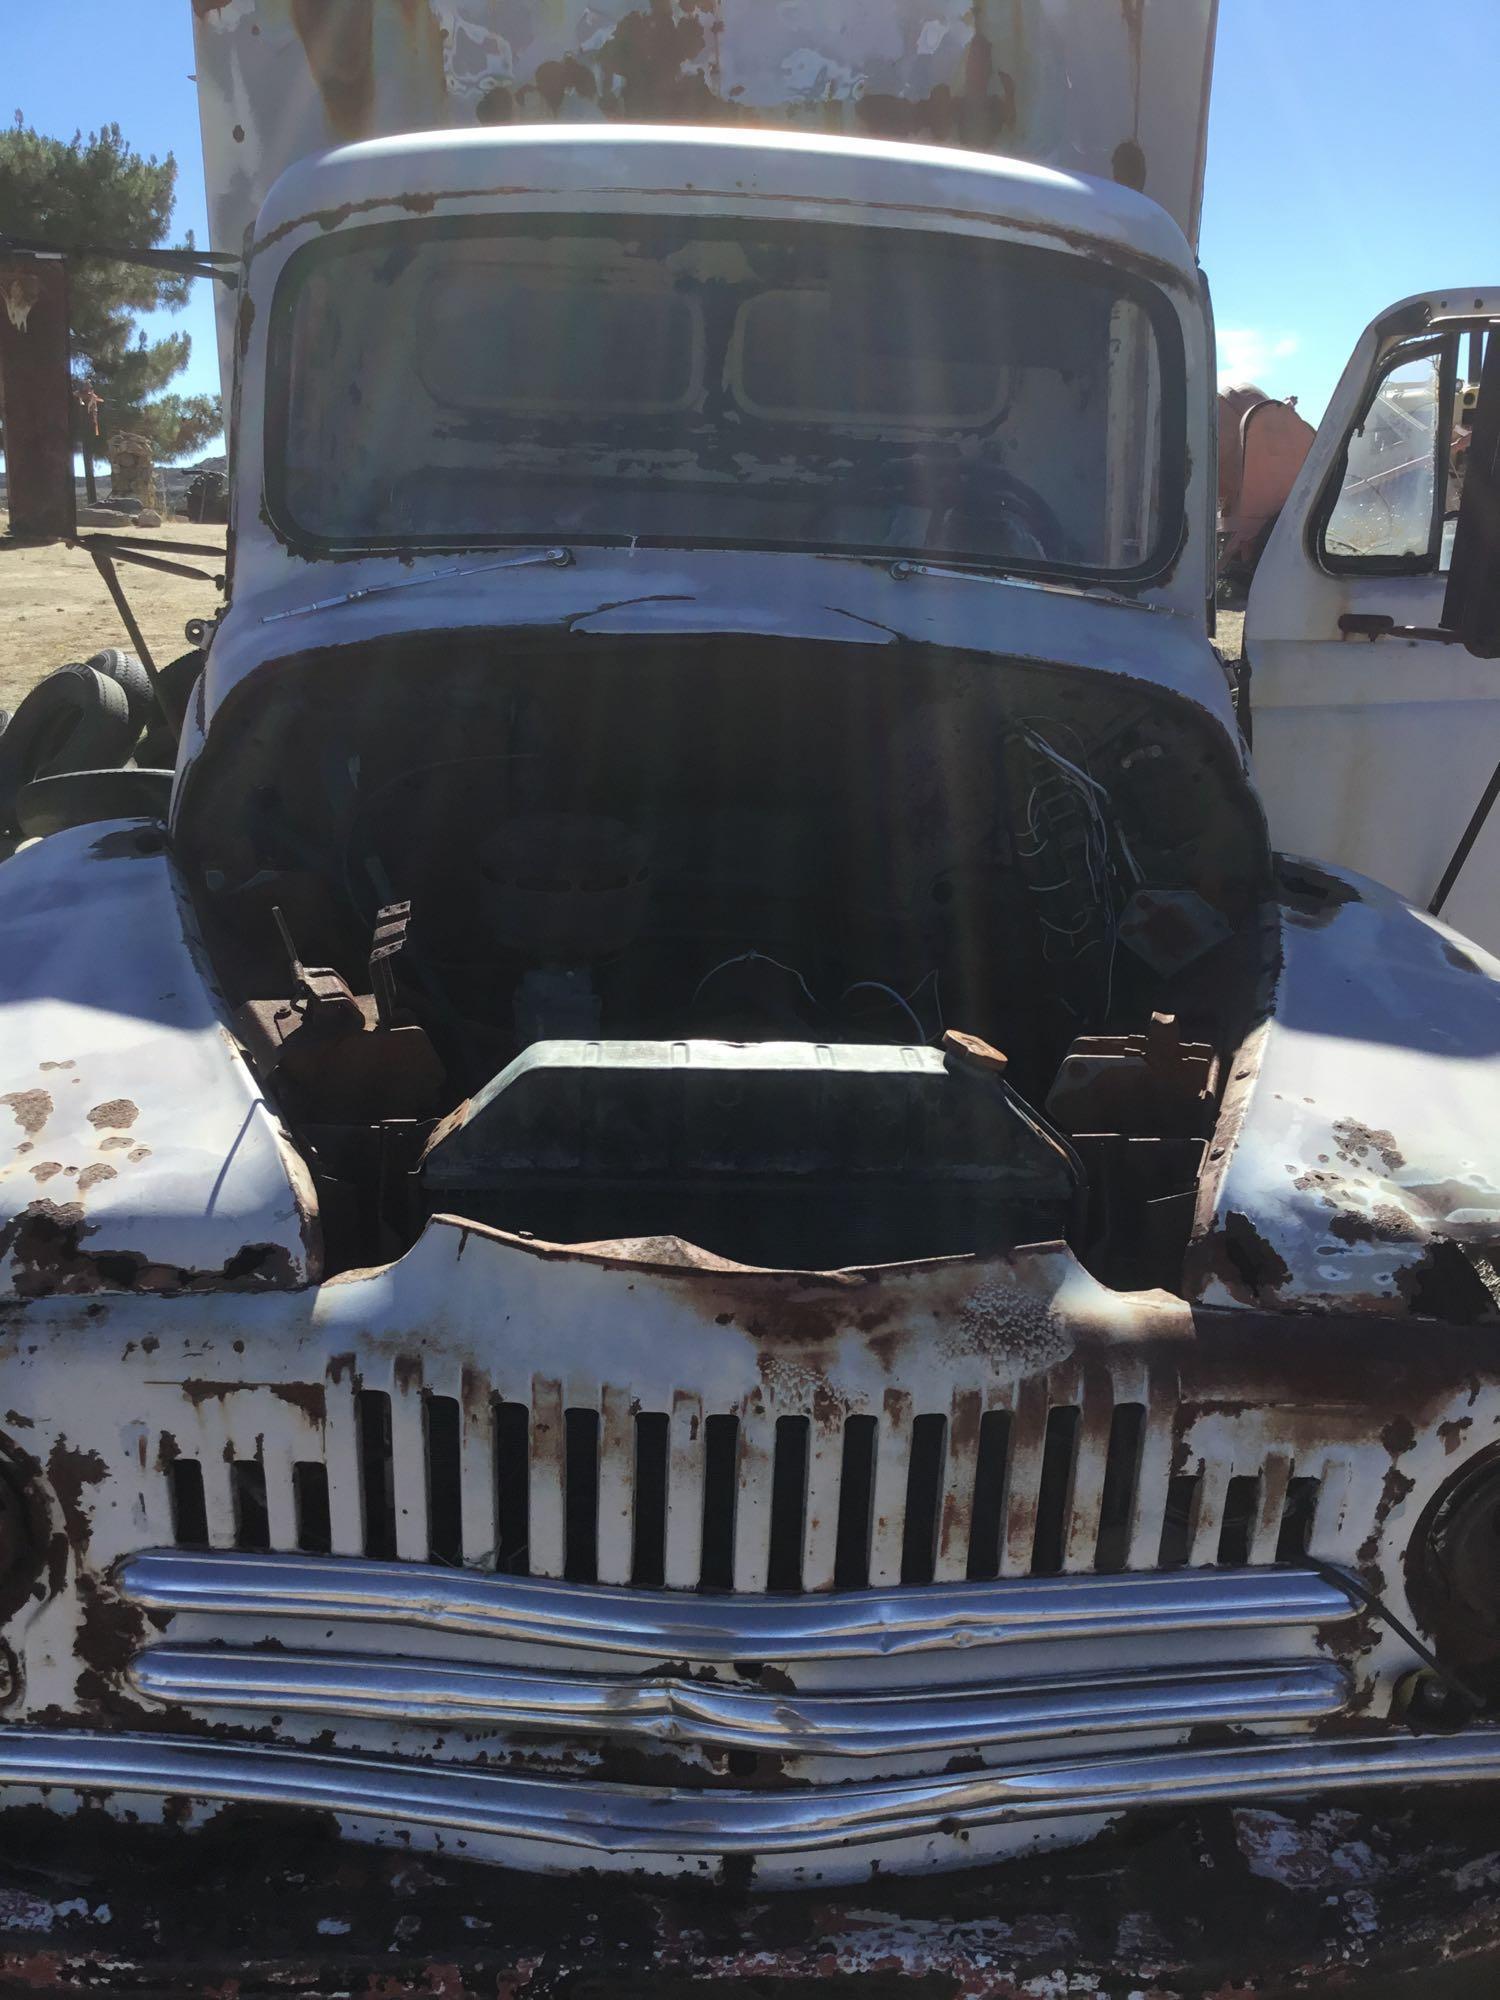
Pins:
x: 158, y: 744
x: 77, y: 719
x: 76, y: 798
x: 132, y: 676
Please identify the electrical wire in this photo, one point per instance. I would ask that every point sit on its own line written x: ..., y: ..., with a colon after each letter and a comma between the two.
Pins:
x: 879, y: 986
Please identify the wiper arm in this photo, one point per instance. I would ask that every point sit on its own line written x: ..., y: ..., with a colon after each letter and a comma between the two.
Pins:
x: 557, y: 558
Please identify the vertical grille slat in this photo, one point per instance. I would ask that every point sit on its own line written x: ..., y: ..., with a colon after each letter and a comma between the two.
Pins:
x: 1091, y: 1468
x: 956, y: 1510
x: 342, y: 1454
x: 892, y: 1466
x: 1088, y: 1468
x: 409, y: 1467
x: 825, y: 1478
x: 1208, y: 1512
x: 548, y: 1495
x: 1153, y: 1479
x: 687, y: 1451
x: 1265, y: 1535
x: 281, y: 1505
x: 477, y: 1485
x: 754, y: 1473
x: 1024, y: 1478
x: 617, y: 1497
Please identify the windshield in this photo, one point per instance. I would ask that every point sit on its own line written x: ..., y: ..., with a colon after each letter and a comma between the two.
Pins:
x: 799, y: 386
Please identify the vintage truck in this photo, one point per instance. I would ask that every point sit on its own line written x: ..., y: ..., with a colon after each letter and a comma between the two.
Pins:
x: 707, y: 1271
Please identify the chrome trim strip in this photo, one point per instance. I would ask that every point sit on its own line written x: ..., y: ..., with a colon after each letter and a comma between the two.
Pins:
x: 675, y: 1625
x: 700, y: 1712
x: 633, y: 1820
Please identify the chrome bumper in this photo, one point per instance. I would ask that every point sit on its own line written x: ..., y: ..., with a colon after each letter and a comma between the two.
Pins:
x: 704, y: 1826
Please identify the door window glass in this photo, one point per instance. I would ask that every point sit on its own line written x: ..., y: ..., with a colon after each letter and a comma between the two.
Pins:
x: 1384, y: 510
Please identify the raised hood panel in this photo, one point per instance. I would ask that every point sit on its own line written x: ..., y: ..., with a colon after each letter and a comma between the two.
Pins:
x: 1116, y: 91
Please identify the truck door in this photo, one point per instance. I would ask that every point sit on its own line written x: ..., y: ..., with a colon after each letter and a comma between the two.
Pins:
x: 1373, y: 686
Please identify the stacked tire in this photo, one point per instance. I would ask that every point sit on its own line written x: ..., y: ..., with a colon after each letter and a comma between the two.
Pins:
x: 85, y: 717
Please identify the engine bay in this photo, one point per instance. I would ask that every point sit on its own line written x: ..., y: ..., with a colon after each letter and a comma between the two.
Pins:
x: 803, y: 955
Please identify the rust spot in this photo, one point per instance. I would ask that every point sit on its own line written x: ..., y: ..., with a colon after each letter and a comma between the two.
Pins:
x: 1356, y: 1142
x: 337, y: 37
x: 1251, y: 1269
x: 67, y: 1063
x: 45, y: 1169
x: 32, y: 1109
x: 308, y: 1397
x: 1309, y: 895
x: 46, y: 1245
x: 92, y: 1176
x: 554, y: 80
x: 1452, y: 1433
x: 137, y: 1154
x: 117, y: 1111
x: 647, y: 66
x: 1377, y: 1225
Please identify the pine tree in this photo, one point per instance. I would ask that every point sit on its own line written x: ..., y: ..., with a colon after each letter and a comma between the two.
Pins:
x: 79, y: 191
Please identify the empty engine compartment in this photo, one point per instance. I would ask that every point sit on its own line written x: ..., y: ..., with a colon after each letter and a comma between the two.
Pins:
x: 737, y: 841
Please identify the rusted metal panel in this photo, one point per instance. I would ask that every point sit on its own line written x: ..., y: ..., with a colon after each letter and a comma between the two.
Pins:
x: 140, y: 1153
x: 1029, y: 1332
x: 1120, y: 91
x: 1351, y: 1171
x: 36, y: 396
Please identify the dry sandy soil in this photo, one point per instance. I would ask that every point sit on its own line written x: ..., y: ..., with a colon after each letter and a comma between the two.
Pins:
x: 54, y: 606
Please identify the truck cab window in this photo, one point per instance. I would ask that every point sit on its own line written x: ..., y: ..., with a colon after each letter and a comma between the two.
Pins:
x: 1384, y: 510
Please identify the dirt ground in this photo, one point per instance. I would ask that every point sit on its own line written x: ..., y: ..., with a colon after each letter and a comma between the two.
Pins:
x: 54, y: 606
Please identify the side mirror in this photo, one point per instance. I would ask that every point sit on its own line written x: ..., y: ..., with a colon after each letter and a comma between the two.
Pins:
x: 36, y: 397
x: 1471, y: 608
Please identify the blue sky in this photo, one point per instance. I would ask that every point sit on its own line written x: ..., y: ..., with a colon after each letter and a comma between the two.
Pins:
x: 1349, y: 157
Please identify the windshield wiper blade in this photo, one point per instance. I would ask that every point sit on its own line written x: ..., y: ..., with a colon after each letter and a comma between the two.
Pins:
x: 555, y: 558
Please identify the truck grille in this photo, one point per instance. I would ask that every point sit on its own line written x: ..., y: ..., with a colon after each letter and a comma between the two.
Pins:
x: 1037, y: 1483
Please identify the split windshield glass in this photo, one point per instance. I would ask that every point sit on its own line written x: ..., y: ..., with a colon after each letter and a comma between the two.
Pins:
x: 609, y: 379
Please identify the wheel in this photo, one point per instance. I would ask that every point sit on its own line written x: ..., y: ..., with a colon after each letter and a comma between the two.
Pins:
x: 77, y: 719
x: 75, y: 798
x: 158, y: 744
x: 132, y: 676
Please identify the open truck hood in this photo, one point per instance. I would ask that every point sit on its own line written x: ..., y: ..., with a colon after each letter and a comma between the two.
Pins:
x: 1117, y: 92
